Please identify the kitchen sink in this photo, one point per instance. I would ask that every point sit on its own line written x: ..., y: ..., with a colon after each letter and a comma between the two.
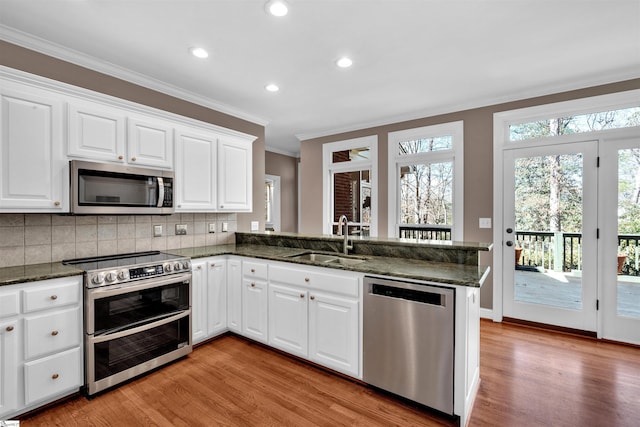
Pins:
x: 327, y: 259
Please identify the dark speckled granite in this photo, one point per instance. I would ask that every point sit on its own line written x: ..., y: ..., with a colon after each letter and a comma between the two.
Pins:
x: 441, y: 262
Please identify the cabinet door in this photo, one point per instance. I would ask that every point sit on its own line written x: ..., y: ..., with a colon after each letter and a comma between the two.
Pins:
x: 234, y: 295
x: 96, y: 132
x: 288, y: 319
x: 52, y: 376
x: 254, y: 310
x: 149, y: 143
x: 8, y: 367
x: 51, y: 331
x: 235, y: 175
x: 195, y: 171
x: 198, y: 301
x: 333, y: 332
x: 34, y: 173
x: 217, y: 297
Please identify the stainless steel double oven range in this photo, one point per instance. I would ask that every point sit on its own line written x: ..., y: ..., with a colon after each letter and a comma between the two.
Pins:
x: 137, y: 314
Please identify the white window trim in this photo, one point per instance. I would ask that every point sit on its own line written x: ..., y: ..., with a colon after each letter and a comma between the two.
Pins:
x: 502, y: 141
x: 329, y: 168
x: 275, y: 202
x: 456, y: 130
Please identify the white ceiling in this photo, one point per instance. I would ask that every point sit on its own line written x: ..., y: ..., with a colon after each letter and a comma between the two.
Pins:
x: 412, y: 58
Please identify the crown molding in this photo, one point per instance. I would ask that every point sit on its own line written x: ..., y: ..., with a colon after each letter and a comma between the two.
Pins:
x: 282, y: 151
x: 57, y: 51
x: 628, y: 74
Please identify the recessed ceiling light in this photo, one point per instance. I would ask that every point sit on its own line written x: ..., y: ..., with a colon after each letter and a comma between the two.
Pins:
x: 272, y: 88
x: 198, y: 52
x: 277, y: 7
x: 344, y: 62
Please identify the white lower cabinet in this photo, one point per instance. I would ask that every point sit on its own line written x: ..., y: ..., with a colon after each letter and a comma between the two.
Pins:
x: 208, y: 298
x: 40, y: 343
x: 288, y: 319
x: 315, y: 313
x: 255, y: 309
x: 234, y: 295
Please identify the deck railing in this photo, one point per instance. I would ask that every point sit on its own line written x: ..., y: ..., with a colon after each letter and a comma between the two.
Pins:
x: 543, y: 249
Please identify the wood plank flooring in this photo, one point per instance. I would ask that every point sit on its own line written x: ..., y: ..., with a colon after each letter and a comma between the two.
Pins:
x: 529, y: 377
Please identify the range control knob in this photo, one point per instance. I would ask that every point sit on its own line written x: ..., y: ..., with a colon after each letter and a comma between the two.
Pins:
x: 111, y: 277
x: 167, y: 268
x: 177, y: 266
x: 123, y: 275
x: 98, y: 279
x: 186, y: 265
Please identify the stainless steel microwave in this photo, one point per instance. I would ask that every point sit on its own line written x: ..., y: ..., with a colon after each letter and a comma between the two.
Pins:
x: 106, y: 189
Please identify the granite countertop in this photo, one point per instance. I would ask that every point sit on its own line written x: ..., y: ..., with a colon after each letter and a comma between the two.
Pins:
x: 403, y: 268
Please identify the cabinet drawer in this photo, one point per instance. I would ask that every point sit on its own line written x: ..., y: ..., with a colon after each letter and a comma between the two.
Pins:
x: 9, y: 303
x: 52, y: 293
x: 317, y: 279
x: 254, y: 270
x: 51, y: 332
x: 51, y: 376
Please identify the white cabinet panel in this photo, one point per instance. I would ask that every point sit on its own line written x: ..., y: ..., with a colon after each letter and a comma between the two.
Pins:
x: 334, y: 332
x: 254, y: 310
x: 149, y: 142
x: 8, y: 367
x: 52, y: 375
x: 51, y: 331
x: 195, y: 171
x: 96, y: 132
x: 9, y: 303
x: 53, y: 293
x: 234, y: 295
x: 198, y: 301
x: 34, y: 174
x: 217, y: 297
x: 288, y: 319
x: 235, y: 175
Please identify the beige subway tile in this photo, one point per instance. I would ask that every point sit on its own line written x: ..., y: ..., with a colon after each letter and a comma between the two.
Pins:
x: 126, y: 219
x: 199, y: 240
x: 86, y: 220
x: 144, y: 230
x: 37, y: 235
x: 37, y: 219
x: 126, y: 246
x: 143, y: 245
x: 159, y: 243
x: 63, y: 220
x: 173, y: 242
x: 211, y: 239
x: 37, y: 254
x: 107, y: 231
x: 63, y: 234
x: 11, y: 256
x: 86, y: 249
x: 143, y: 219
x: 11, y: 220
x: 86, y: 233
x: 107, y: 219
x: 11, y: 236
x: 107, y: 247
x: 126, y: 231
x: 60, y: 251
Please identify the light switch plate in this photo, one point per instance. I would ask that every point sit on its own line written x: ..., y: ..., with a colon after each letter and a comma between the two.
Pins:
x: 181, y: 229
x: 485, y: 223
x: 225, y: 227
x: 212, y: 227
x: 255, y: 226
x: 157, y: 231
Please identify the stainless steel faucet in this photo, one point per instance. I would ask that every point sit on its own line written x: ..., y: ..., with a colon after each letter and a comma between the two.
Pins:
x: 343, y: 230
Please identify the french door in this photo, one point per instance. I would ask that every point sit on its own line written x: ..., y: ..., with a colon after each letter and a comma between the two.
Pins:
x: 550, y: 234
x: 571, y: 254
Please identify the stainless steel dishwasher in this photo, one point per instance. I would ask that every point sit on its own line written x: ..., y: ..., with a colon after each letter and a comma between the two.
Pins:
x: 408, y: 340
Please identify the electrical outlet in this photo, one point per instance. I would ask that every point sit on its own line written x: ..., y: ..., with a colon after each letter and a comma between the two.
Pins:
x: 485, y: 223
x: 255, y: 226
x: 181, y: 229
x: 212, y: 227
x: 225, y: 227
x: 157, y: 231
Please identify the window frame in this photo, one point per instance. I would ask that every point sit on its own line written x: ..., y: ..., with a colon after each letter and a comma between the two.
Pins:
x: 329, y: 169
x: 275, y: 202
x: 455, y: 155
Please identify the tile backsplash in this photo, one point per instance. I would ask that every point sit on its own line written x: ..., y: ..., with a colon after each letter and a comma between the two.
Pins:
x: 40, y: 238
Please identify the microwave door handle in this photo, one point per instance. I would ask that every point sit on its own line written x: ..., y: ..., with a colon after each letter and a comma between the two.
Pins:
x: 160, y: 191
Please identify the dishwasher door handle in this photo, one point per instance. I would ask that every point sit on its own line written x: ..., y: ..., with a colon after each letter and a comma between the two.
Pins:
x: 425, y: 297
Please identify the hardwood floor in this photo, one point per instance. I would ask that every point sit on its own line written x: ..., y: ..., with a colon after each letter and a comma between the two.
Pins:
x: 529, y: 377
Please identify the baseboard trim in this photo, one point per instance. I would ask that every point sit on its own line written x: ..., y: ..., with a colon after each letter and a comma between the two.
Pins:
x: 486, y: 313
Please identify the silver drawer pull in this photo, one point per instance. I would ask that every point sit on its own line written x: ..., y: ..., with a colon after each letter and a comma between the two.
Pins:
x: 55, y: 376
x: 54, y: 333
x: 54, y: 297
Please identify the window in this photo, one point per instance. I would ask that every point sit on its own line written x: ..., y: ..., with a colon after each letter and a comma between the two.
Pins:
x: 272, y: 202
x: 350, y: 170
x: 425, y: 182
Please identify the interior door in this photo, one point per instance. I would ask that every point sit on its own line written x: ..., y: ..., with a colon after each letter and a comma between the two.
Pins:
x: 619, y: 251
x: 550, y: 234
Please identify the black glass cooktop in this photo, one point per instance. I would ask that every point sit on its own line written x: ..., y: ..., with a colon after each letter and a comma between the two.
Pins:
x: 120, y: 260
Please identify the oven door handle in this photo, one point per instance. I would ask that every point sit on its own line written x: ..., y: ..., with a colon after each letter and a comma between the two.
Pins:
x: 141, y: 328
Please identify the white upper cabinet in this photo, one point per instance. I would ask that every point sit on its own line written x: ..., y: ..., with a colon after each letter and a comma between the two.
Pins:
x: 235, y: 175
x: 214, y: 171
x: 34, y: 173
x: 103, y: 133
x: 150, y: 142
x: 96, y: 132
x: 195, y: 171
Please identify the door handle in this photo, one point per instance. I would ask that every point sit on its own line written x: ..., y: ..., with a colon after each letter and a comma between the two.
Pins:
x: 509, y: 243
